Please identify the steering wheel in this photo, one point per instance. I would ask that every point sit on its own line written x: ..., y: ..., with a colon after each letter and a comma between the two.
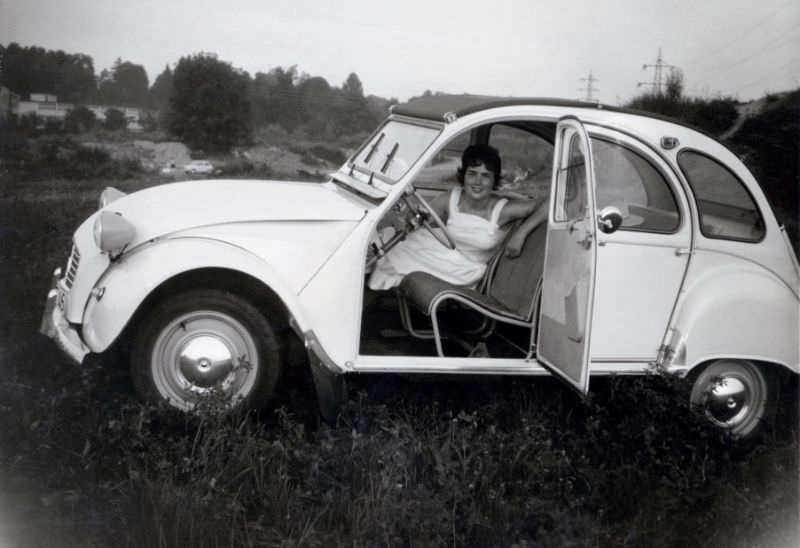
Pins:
x: 429, y: 219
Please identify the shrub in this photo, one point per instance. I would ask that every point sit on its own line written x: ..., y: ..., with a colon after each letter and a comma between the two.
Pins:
x: 62, y: 158
x: 329, y: 154
x: 79, y: 119
x: 115, y: 120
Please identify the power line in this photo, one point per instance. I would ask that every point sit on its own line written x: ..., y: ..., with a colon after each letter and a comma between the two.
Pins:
x: 770, y: 75
x: 739, y: 36
x: 589, y: 89
x: 658, y: 74
x: 778, y: 42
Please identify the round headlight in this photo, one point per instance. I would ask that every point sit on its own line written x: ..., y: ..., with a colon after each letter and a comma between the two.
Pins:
x: 112, y: 231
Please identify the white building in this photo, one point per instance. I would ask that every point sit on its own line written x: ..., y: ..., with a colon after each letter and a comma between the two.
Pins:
x: 46, y: 106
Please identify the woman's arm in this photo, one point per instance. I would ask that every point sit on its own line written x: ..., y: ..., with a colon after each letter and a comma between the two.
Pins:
x: 517, y: 209
x: 517, y: 239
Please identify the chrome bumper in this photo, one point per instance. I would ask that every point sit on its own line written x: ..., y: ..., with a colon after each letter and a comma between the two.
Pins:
x: 55, y: 325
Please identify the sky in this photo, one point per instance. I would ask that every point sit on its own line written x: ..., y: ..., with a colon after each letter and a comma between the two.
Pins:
x: 533, y: 48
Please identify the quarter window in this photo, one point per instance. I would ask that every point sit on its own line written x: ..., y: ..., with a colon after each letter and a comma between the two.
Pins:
x: 727, y: 209
x: 627, y: 180
x: 527, y: 160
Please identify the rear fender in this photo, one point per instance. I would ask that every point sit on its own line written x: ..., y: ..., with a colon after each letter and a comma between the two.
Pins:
x: 738, y: 313
x: 126, y: 284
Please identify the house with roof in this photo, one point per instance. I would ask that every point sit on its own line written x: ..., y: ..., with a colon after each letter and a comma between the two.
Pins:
x: 47, y: 107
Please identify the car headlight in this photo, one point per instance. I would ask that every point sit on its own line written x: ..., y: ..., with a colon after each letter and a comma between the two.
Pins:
x: 112, y: 232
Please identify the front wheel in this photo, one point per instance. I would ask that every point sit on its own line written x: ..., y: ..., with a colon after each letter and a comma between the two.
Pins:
x: 734, y: 395
x: 205, y: 342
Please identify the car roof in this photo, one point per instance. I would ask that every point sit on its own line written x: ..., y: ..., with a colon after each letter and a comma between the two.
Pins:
x: 444, y: 107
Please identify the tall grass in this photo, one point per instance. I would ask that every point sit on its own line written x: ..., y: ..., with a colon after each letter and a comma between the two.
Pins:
x: 443, y: 464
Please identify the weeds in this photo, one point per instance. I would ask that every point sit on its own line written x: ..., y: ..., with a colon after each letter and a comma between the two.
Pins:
x: 503, y: 468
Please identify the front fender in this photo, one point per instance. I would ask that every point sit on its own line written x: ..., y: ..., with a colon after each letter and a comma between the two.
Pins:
x: 737, y: 312
x: 125, y: 285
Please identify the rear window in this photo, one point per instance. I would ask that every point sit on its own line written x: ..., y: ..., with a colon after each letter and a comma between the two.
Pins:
x: 630, y: 182
x: 727, y: 210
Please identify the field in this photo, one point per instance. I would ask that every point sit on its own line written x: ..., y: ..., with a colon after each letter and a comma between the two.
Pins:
x: 409, y: 463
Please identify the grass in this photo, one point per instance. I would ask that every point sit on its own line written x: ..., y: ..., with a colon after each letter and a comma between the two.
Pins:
x: 451, y: 462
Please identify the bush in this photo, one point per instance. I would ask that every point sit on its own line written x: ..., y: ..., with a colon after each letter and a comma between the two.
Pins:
x: 55, y: 157
x: 79, y: 119
x: 115, y: 120
x: 317, y: 155
x: 330, y: 155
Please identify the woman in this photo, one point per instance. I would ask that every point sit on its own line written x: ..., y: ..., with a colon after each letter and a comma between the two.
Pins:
x: 476, y: 218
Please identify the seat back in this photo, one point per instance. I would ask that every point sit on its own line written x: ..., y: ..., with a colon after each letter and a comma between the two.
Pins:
x: 514, y: 281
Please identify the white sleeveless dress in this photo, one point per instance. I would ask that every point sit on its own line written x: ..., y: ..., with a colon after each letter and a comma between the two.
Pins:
x: 476, y: 241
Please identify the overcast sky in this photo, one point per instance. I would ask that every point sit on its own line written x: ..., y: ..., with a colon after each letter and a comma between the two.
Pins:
x: 741, y: 48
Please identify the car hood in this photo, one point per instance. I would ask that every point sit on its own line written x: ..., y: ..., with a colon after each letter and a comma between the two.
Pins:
x: 171, y: 208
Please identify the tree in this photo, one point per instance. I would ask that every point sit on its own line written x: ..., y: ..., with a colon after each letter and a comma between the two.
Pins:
x: 276, y: 98
x: 209, y: 107
x: 125, y: 84
x: 352, y: 87
x: 27, y: 70
x: 352, y: 114
x: 115, y: 120
x: 161, y: 89
x: 79, y: 119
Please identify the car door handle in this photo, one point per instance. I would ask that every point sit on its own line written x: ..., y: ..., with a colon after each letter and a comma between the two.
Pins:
x: 683, y: 251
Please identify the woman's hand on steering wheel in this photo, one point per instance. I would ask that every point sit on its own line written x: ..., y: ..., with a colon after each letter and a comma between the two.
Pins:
x: 430, y: 219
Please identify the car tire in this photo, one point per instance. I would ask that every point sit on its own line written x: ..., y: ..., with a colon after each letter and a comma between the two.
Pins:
x: 736, y: 396
x: 205, y: 342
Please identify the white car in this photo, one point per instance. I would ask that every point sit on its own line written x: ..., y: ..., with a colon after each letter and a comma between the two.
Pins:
x: 661, y: 253
x: 199, y: 167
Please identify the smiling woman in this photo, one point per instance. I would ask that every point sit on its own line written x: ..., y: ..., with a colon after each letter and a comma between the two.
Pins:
x: 471, y: 217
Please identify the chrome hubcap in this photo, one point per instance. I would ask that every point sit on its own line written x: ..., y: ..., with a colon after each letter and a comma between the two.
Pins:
x: 200, y: 352
x: 728, y: 400
x: 732, y: 395
x: 205, y: 361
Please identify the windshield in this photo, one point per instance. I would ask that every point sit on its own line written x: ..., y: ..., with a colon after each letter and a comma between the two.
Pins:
x: 393, y: 149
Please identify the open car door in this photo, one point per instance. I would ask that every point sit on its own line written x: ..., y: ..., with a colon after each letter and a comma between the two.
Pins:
x: 569, y: 272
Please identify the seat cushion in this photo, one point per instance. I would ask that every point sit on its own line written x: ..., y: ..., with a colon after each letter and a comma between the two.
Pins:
x: 423, y: 289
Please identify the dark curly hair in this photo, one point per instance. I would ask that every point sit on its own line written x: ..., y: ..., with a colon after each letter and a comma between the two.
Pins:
x: 475, y: 155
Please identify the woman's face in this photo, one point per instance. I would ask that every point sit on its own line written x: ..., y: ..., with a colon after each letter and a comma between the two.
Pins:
x: 478, y: 182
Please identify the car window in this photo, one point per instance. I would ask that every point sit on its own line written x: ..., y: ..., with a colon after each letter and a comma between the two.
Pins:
x: 727, y: 210
x: 571, y: 183
x: 527, y: 160
x: 627, y: 180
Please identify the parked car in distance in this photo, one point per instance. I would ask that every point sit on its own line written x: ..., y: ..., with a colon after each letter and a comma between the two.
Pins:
x: 198, y: 167
x: 661, y: 254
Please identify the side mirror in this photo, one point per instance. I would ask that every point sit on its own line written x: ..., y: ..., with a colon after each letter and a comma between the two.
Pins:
x: 609, y: 219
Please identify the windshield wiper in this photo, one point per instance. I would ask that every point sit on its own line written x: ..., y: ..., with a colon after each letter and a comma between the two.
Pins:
x: 389, y: 158
x: 373, y: 148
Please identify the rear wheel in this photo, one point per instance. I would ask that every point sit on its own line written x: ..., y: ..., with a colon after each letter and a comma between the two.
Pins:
x: 205, y: 342
x: 734, y: 395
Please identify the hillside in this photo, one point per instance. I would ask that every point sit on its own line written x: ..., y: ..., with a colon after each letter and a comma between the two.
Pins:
x: 767, y: 138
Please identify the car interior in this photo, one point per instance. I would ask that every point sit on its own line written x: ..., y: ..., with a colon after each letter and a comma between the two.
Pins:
x: 427, y: 316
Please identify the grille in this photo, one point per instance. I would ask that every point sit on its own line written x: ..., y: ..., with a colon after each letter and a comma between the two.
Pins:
x: 72, y: 267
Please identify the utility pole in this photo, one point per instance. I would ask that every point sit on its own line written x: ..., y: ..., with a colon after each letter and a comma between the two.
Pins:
x: 589, y: 89
x: 659, y: 81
